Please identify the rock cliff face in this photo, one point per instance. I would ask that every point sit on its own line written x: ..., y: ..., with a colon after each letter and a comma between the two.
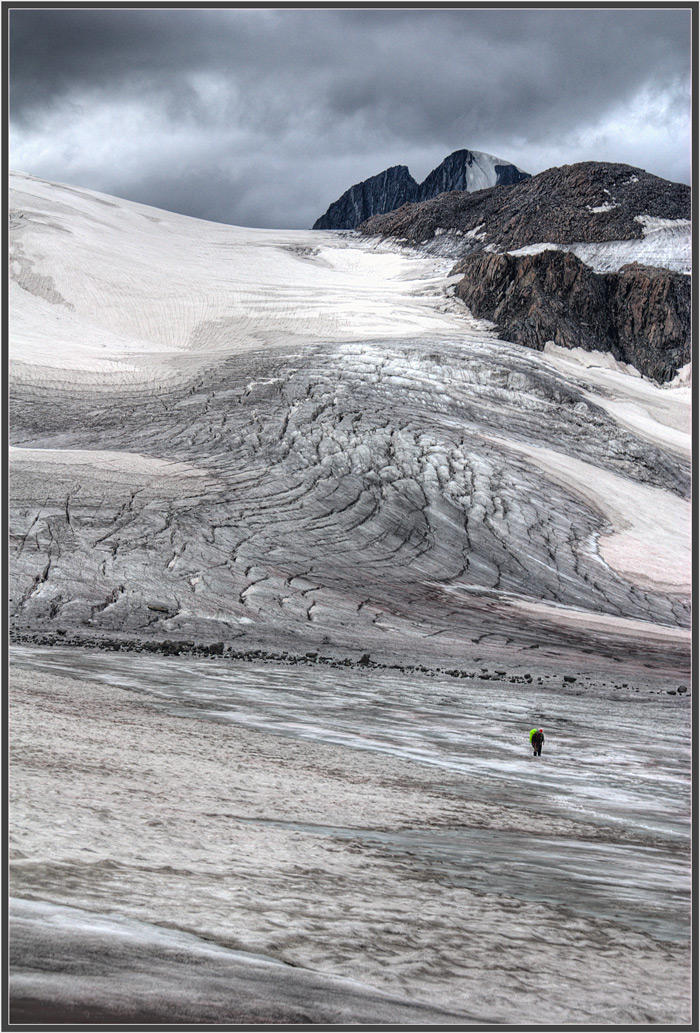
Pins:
x: 373, y: 196
x: 640, y: 314
x: 462, y: 170
x: 591, y: 201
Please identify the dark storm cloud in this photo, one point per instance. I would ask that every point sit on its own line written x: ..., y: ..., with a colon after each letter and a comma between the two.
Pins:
x: 266, y: 115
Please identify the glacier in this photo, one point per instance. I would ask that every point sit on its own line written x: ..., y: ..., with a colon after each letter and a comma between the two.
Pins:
x: 299, y: 552
x: 666, y: 243
x: 315, y: 441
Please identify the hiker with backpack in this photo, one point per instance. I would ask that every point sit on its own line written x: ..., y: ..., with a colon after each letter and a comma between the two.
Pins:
x: 537, y: 741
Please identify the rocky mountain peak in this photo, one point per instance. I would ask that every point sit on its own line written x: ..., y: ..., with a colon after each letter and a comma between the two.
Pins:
x: 461, y: 170
x: 590, y: 201
x: 469, y: 170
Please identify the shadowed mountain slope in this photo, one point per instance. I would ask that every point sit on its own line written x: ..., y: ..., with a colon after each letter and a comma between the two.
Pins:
x: 462, y: 170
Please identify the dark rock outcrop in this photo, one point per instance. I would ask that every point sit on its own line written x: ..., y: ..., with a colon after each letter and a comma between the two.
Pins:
x: 641, y: 314
x: 381, y: 193
x: 462, y: 170
x: 591, y: 201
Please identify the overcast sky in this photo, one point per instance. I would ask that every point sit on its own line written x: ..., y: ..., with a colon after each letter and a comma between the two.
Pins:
x: 263, y: 117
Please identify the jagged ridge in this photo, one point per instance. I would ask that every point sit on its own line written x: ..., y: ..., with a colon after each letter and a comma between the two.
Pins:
x: 591, y: 201
x: 461, y: 170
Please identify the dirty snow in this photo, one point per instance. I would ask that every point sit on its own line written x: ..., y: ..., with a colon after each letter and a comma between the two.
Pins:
x: 376, y: 828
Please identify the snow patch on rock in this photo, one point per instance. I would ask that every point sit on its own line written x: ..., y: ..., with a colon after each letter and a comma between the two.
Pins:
x: 666, y: 243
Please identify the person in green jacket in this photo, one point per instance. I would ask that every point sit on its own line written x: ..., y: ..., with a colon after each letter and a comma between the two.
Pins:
x: 536, y: 741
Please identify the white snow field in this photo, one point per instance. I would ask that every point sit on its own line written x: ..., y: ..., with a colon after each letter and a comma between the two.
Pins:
x: 665, y: 243
x: 377, y: 545
x: 162, y: 287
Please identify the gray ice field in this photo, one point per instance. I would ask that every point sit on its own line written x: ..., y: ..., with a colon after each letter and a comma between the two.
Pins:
x: 389, y: 837
x: 407, y: 543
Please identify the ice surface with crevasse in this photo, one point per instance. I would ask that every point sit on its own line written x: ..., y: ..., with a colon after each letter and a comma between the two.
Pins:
x: 301, y: 441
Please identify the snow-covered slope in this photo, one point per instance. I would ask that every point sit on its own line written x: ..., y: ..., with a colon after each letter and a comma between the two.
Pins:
x: 666, y: 244
x: 298, y: 440
x: 131, y: 293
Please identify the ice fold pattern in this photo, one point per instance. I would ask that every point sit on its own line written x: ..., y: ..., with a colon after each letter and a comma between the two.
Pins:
x: 286, y: 474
